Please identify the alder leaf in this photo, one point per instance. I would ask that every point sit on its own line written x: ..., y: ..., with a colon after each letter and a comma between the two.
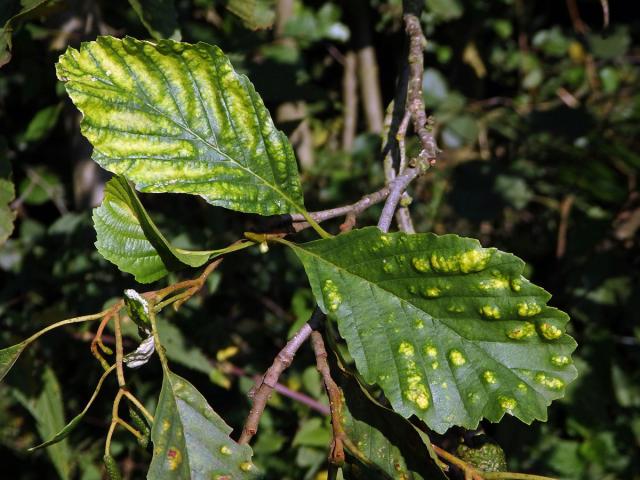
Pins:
x: 386, y: 445
x: 48, y: 411
x: 12, y: 12
x: 127, y: 237
x: 176, y: 117
x: 7, y: 194
x: 159, y: 17
x: 255, y: 14
x: 69, y: 427
x: 451, y: 331
x: 191, y: 442
x: 8, y: 357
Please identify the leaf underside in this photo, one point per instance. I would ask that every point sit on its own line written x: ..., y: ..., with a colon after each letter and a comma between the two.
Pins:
x: 176, y: 117
x: 191, y: 442
x: 127, y: 237
x: 387, y: 445
x: 452, y: 332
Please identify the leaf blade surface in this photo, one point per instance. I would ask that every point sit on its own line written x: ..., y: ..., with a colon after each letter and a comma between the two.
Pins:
x: 191, y: 441
x: 451, y: 331
x: 176, y: 117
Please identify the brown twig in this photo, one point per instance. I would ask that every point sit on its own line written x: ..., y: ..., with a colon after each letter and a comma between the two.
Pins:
x: 397, y: 188
x: 336, y: 455
x: 97, y: 339
x: 471, y: 473
x: 354, y: 209
x: 578, y: 25
x: 264, y: 387
x: 119, y: 352
x: 415, y: 104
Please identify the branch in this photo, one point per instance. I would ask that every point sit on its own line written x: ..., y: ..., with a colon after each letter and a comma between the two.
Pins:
x: 264, y: 387
x: 355, y: 209
x: 336, y: 455
x: 415, y: 104
x: 471, y: 473
x: 397, y: 188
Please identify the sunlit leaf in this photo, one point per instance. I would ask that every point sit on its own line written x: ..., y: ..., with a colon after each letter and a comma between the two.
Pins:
x: 452, y: 332
x: 191, y: 441
x: 175, y: 117
x: 127, y: 236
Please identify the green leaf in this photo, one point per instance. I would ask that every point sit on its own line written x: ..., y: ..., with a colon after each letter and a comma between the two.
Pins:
x: 69, y: 427
x: 49, y: 414
x: 383, y: 441
x: 312, y: 433
x: 444, y: 9
x: 175, y: 117
x: 42, y: 123
x: 180, y: 350
x: 191, y: 441
x: 159, y: 17
x: 255, y: 14
x: 12, y: 11
x: 7, y: 194
x: 451, y: 331
x: 8, y: 357
x: 127, y: 237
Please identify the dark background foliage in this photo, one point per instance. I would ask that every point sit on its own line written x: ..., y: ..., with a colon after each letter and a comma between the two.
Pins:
x: 538, y: 116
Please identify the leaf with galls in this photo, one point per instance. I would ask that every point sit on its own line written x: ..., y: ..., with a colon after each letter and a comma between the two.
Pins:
x: 451, y: 331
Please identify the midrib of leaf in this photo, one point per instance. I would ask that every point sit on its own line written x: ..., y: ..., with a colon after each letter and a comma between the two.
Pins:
x: 468, y: 343
x: 145, y: 103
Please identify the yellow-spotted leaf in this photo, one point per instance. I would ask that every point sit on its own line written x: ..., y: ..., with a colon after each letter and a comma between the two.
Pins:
x: 452, y: 332
x: 127, y: 237
x: 190, y: 441
x: 176, y: 117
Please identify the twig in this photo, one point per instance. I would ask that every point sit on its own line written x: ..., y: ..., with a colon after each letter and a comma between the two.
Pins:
x: 264, y: 387
x: 403, y: 216
x: 397, y: 188
x: 132, y: 398
x: 578, y: 25
x: 354, y: 209
x: 415, y: 104
x: 605, y: 13
x: 299, y: 397
x: 471, y: 473
x: 336, y: 455
x: 119, y: 352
